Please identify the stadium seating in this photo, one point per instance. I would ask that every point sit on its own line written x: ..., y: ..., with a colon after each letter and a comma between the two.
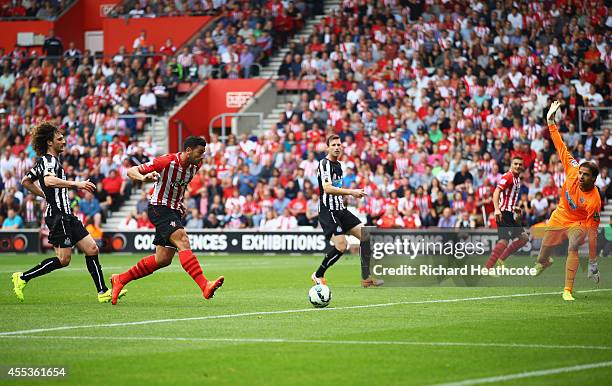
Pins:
x: 22, y: 10
x: 90, y: 98
x: 252, y: 31
x: 447, y: 86
x: 418, y: 93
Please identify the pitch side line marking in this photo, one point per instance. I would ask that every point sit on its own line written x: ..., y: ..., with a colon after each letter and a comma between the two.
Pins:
x: 154, y: 321
x: 311, y: 341
x: 528, y: 374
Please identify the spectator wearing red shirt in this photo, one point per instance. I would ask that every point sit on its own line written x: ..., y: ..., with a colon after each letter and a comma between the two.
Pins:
x: 168, y: 48
x: 113, y: 188
x: 484, y: 196
x: 551, y: 191
x: 587, y: 75
x: 444, y: 144
x: 526, y: 153
x: 390, y: 219
x: 143, y: 221
x: 412, y: 220
x: 18, y: 147
x: 385, y: 121
x: 297, y: 208
x: 116, y: 146
x: 18, y: 11
x: 375, y: 207
x: 198, y: 184
x: 252, y: 210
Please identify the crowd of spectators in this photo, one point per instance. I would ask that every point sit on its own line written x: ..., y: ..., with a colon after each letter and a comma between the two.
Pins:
x: 87, y: 94
x: 32, y: 9
x: 431, y: 100
x: 100, y: 107
x: 241, y: 40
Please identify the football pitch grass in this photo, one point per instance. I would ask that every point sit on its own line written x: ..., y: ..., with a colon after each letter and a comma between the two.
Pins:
x: 260, y: 329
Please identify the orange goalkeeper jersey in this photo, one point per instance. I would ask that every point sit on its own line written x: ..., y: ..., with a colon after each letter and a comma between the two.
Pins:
x: 576, y: 208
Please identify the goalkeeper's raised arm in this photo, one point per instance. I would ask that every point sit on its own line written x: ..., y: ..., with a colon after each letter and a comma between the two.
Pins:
x: 568, y: 161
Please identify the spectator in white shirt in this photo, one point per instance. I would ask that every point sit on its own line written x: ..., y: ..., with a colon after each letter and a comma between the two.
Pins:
x: 539, y: 206
x: 140, y: 41
x: 270, y: 222
x: 516, y: 19
x: 582, y: 87
x: 286, y: 221
x: 150, y: 147
x: 594, y: 97
x: 148, y: 101
x: 137, y: 11
x: 603, y: 180
x: 354, y: 94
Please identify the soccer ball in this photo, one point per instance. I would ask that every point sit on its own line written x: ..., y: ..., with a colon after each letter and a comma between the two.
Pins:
x: 319, y: 295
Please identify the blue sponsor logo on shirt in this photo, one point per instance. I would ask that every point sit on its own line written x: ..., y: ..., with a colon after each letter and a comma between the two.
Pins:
x: 571, y: 203
x: 337, y: 183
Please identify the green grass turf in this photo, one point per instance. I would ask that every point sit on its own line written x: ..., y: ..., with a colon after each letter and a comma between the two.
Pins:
x: 276, y: 283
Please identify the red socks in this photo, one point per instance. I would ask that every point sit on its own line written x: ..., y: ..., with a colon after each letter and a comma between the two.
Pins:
x: 515, y: 246
x: 497, y: 251
x: 192, y: 267
x: 148, y: 265
x: 143, y: 268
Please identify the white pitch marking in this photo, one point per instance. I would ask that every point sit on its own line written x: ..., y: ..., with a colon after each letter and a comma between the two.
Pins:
x: 312, y: 341
x: 226, y: 316
x: 528, y: 374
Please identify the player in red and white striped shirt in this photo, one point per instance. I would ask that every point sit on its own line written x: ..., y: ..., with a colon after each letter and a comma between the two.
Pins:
x: 171, y: 174
x: 505, y: 201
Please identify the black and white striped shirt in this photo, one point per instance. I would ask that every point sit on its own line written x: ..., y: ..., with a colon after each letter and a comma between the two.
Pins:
x: 330, y: 172
x: 57, y: 198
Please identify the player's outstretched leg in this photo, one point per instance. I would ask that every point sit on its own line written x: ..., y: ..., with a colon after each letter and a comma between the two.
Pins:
x: 192, y: 267
x: 593, y: 271
x: 333, y: 254
x: 513, y: 247
x: 499, y: 248
x: 88, y: 245
x: 21, y: 279
x: 365, y: 253
x: 576, y: 238
x: 551, y: 239
x: 143, y: 268
x: 367, y: 280
x: 571, y: 266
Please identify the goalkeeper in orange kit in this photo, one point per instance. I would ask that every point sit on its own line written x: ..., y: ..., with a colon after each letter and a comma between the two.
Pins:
x: 577, y: 215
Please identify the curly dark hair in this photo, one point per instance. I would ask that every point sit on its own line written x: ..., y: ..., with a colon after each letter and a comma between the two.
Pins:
x: 41, y: 134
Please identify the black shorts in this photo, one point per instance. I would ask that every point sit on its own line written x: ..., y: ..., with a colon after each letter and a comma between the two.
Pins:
x: 508, y: 228
x: 166, y: 222
x: 337, y: 222
x: 65, y: 230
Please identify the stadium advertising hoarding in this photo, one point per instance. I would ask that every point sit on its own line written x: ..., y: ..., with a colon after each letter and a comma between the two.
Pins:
x: 19, y: 241
x: 223, y: 242
x: 456, y: 257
